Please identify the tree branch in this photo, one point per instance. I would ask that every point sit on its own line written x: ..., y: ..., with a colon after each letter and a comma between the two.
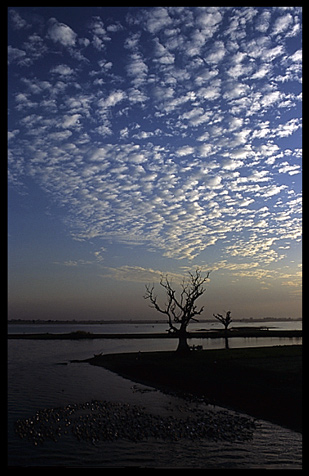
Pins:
x: 180, y: 310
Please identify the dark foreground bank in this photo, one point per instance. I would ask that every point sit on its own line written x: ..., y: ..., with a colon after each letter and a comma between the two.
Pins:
x: 263, y: 382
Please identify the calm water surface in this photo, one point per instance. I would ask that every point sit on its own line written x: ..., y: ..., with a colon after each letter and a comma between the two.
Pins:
x: 113, y: 328
x: 36, y: 380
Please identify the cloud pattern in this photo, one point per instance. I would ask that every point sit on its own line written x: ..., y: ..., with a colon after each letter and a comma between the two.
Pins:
x: 175, y: 128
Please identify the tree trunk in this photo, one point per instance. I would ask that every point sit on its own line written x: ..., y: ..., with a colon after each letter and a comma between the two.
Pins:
x: 183, y: 347
x: 226, y: 337
x: 226, y: 342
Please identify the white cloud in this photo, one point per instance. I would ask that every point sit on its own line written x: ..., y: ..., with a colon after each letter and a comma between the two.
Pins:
x: 270, y: 98
x: 282, y: 24
x: 211, y: 93
x: 157, y: 19
x: 70, y: 121
x: 213, y: 182
x: 137, y: 69
x: 230, y: 164
x: 297, y: 56
x: 185, y: 150
x: 113, y: 98
x: 259, y: 176
x: 16, y: 55
x: 235, y: 123
x: 263, y: 20
x: 62, y: 69
x: 61, y: 33
x: 216, y: 53
x: 172, y: 136
x: 162, y: 54
x: 209, y: 17
x: 272, y: 190
x: 205, y: 149
x: 99, y: 34
x: 285, y: 130
x: 269, y: 55
x: 290, y: 169
x: 235, y: 90
x: 261, y: 72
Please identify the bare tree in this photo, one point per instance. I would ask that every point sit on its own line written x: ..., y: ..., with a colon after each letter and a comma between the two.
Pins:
x: 180, y: 310
x: 226, y: 321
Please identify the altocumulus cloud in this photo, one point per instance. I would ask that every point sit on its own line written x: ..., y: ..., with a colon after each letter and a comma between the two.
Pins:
x: 61, y: 33
x: 174, y: 128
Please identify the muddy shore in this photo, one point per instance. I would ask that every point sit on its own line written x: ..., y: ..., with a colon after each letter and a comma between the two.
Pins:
x: 262, y: 382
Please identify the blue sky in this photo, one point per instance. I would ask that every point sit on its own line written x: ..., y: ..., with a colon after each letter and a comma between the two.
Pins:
x: 149, y: 140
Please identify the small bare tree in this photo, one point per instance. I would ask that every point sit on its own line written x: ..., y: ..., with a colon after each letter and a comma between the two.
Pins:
x: 226, y: 321
x: 180, y: 310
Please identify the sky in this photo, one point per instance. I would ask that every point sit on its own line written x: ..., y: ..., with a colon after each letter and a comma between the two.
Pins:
x: 153, y: 140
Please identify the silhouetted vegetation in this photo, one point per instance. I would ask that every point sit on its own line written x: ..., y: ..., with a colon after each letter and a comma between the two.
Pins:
x: 180, y: 310
x: 226, y: 321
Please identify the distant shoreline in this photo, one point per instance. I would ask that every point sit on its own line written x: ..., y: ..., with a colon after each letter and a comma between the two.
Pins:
x: 212, y: 334
x: 141, y: 321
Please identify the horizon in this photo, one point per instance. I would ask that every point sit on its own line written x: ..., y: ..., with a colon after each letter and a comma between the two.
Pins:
x: 145, y: 321
x: 150, y: 140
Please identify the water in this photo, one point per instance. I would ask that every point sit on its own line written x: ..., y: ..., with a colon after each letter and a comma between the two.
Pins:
x: 106, y: 346
x: 36, y: 381
x: 122, y: 328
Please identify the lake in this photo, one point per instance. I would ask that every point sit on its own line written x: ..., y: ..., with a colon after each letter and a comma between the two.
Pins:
x: 37, y: 381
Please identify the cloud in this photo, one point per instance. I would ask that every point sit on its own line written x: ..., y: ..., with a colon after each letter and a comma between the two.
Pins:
x: 261, y: 72
x: 162, y: 54
x: 12, y: 134
x: 157, y: 19
x: 99, y: 33
x: 18, y: 56
x: 175, y: 143
x: 230, y: 164
x: 61, y: 33
x: 263, y: 21
x: 216, y: 53
x: 285, y: 130
x: 290, y: 169
x: 270, y: 98
x: 269, y: 55
x: 18, y: 22
x: 282, y: 24
x: 63, y: 70
x: 137, y: 69
x: 209, y: 18
x: 185, y: 150
x: 213, y: 182
x: 70, y: 121
x: 113, y: 98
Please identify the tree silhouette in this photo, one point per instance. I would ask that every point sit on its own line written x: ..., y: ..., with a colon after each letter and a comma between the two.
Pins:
x: 226, y: 321
x: 180, y: 310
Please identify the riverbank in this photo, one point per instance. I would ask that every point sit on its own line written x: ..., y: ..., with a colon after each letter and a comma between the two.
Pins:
x: 262, y: 382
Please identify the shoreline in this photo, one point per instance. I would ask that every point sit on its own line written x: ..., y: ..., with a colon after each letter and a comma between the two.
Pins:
x: 211, y: 334
x: 262, y: 382
x: 140, y: 321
